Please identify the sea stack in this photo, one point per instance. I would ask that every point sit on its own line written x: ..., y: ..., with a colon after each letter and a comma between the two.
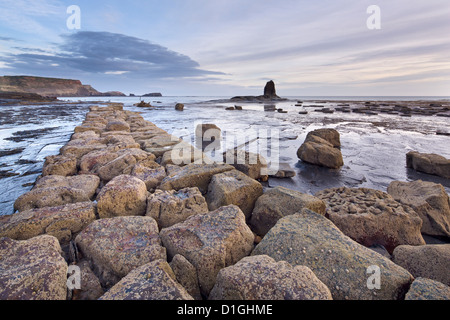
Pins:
x: 270, y: 91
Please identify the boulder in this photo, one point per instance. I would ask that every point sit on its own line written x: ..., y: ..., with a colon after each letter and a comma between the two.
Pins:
x: 78, y: 148
x: 117, y: 125
x: 63, y: 222
x: 278, y: 203
x: 284, y: 170
x: 429, y: 200
x: 32, y: 270
x: 429, y: 261
x: 332, y: 136
x: 60, y: 165
x: 49, y: 197
x: 233, y: 187
x: 90, y: 286
x: 193, y: 175
x: 172, y: 207
x: 426, y: 289
x: 262, y: 278
x: 347, y: 268
x: 186, y: 275
x: 429, y: 163
x: 88, y: 183
x: 207, y: 133
x: 125, y: 195
x: 150, y: 172
x: 152, y: 281
x: 183, y: 154
x: 372, y: 217
x: 179, y: 107
x: 319, y: 151
x: 252, y: 164
x: 116, y: 246
x: 210, y: 242
x: 93, y: 160
x: 160, y: 144
x: 119, y: 166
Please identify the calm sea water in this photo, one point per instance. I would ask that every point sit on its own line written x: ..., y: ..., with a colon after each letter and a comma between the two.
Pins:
x: 374, y: 147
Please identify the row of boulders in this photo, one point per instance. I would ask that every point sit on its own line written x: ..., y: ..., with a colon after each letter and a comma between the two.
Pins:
x: 201, y: 231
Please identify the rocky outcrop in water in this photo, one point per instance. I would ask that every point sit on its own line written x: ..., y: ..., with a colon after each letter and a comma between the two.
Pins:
x: 429, y: 163
x: 270, y: 94
x: 322, y: 147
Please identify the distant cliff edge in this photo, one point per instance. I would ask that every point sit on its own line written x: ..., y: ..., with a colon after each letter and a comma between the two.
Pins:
x: 51, y: 87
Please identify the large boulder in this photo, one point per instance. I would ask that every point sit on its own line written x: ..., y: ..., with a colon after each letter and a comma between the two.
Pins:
x: 152, y: 281
x: 90, y: 286
x: 344, y: 266
x: 96, y: 159
x: 119, y: 166
x: 32, y: 270
x: 278, y: 203
x: 160, y: 144
x: 332, y: 136
x: 322, y: 148
x: 87, y: 183
x: 50, y: 196
x: 125, y: 195
x: 210, y: 242
x: 429, y: 261
x: 426, y: 289
x: 118, y: 245
x: 186, y: 275
x: 252, y: 164
x: 63, y: 222
x: 233, y: 187
x: 207, y: 133
x: 372, y: 217
x: 429, y: 200
x: 117, y: 125
x: 172, y: 207
x: 193, y: 175
x: 429, y: 163
x: 262, y: 278
x: 150, y: 172
x: 60, y: 165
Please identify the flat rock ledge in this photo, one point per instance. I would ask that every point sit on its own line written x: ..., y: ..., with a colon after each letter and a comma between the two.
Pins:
x: 139, y: 224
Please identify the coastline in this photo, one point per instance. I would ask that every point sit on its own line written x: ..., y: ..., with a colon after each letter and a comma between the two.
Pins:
x: 103, y: 154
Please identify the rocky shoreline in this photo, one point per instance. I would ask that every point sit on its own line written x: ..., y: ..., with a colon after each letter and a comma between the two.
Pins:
x: 114, y: 206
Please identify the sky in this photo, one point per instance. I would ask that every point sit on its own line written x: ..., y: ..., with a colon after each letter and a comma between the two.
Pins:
x: 233, y: 47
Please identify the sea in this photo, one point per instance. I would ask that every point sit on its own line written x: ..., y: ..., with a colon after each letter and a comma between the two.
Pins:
x: 374, y: 147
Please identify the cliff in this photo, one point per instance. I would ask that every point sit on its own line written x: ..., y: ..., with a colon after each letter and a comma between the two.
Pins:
x: 50, y: 87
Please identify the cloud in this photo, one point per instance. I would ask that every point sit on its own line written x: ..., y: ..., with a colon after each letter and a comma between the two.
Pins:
x: 89, y: 52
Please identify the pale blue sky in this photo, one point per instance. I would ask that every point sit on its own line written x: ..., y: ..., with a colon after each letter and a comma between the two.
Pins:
x: 211, y: 47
